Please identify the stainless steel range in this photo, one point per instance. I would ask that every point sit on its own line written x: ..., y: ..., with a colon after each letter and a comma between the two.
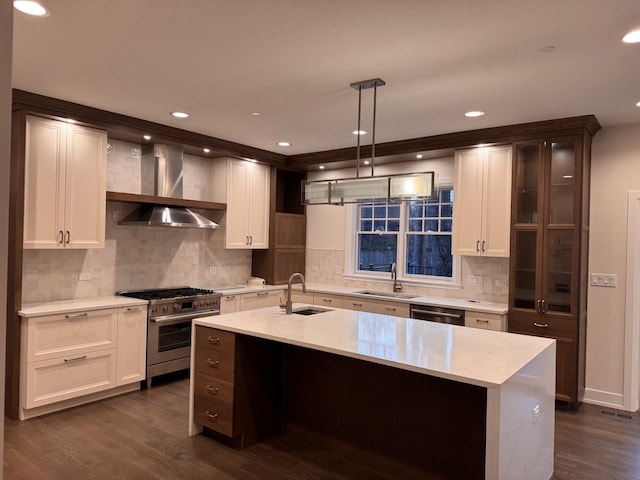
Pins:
x: 169, y: 318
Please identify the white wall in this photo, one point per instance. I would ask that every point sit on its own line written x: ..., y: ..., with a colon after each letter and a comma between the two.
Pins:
x: 615, y: 171
x: 6, y: 39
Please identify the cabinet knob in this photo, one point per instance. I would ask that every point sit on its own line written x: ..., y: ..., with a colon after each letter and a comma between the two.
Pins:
x: 212, y: 390
x: 213, y: 363
x: 212, y: 416
x: 214, y: 340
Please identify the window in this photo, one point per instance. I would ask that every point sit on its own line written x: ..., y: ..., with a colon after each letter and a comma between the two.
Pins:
x: 415, y: 235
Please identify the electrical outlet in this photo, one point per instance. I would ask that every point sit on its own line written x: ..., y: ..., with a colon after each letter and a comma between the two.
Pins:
x: 314, y: 268
x: 535, y: 413
x: 501, y: 283
x: 338, y: 269
x: 603, y: 279
x: 135, y: 152
x: 213, y: 270
x: 84, y: 276
x: 474, y: 280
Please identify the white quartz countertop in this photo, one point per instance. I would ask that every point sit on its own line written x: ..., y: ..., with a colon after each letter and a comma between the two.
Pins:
x: 461, y: 303
x: 239, y: 289
x: 77, y: 305
x: 479, y: 357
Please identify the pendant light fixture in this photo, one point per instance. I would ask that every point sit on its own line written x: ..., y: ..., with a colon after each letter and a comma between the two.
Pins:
x: 390, y: 188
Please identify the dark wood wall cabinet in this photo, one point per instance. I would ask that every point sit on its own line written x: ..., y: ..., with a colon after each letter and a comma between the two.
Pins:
x: 549, y: 242
x: 287, y: 230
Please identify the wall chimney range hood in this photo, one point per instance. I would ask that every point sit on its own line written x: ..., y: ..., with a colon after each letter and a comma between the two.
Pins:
x: 161, y: 168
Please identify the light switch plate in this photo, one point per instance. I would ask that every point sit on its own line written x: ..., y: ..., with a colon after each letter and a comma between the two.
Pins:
x: 84, y: 276
x: 604, y: 279
x: 213, y: 270
x: 474, y: 280
x: 501, y: 283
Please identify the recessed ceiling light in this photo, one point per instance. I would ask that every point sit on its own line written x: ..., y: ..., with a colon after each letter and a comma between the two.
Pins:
x: 359, y: 132
x: 366, y: 162
x: 256, y: 114
x: 419, y: 156
x: 147, y: 137
x: 474, y: 113
x: 638, y: 104
x: 180, y: 114
x: 321, y: 167
x: 31, y: 8
x: 284, y: 144
x: 206, y: 150
x: 632, y: 37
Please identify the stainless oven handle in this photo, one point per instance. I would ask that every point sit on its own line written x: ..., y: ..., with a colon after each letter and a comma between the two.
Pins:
x: 181, y: 317
x: 435, y: 314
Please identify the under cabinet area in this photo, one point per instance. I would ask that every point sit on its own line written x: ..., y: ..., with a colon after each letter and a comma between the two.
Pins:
x: 68, y: 357
x: 482, y: 206
x: 244, y: 187
x: 65, y: 185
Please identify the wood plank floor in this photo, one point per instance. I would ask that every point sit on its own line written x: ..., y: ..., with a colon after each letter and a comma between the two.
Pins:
x: 143, y: 435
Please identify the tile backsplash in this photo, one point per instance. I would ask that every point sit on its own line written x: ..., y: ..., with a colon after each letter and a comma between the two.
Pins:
x: 138, y: 257
x: 326, y: 266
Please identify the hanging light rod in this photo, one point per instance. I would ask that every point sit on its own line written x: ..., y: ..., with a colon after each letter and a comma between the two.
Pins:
x: 366, y: 84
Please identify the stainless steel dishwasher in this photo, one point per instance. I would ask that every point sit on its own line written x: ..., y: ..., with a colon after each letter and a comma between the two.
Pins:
x: 452, y: 316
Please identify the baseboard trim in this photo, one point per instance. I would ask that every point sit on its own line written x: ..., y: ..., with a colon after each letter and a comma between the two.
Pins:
x: 604, y: 399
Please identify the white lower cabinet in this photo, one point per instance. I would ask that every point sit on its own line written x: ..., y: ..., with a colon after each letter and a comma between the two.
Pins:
x: 397, y: 309
x: 69, y: 356
x: 486, y: 321
x: 132, y: 345
x: 229, y: 304
x: 267, y: 298
x: 327, y: 300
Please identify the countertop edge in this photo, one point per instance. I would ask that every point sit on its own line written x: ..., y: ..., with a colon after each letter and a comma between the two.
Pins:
x: 39, y: 309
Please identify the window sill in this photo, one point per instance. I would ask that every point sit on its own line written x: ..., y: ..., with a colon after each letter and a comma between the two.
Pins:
x: 452, y: 285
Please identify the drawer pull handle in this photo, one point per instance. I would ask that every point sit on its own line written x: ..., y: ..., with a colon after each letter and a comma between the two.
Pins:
x: 77, y: 315
x: 133, y: 309
x: 262, y: 294
x: 214, y: 341
x: 77, y: 359
x: 326, y: 300
x: 391, y: 309
x: 213, y: 364
x: 212, y: 390
x: 482, y: 320
x: 230, y: 297
x: 540, y: 325
x: 357, y: 304
x: 212, y: 416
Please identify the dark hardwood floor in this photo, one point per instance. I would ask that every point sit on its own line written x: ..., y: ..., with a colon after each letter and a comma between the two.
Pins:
x: 143, y: 435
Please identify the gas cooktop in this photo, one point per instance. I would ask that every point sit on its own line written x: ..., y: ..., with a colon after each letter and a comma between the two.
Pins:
x: 166, y: 293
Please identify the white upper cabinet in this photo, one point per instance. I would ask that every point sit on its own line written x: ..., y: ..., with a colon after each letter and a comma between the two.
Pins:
x: 247, y: 198
x: 482, y: 205
x: 65, y: 185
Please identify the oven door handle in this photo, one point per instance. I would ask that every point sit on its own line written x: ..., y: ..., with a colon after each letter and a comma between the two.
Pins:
x: 181, y: 317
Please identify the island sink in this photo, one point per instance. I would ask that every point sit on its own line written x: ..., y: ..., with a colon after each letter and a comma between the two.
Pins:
x: 311, y: 310
x: 386, y: 294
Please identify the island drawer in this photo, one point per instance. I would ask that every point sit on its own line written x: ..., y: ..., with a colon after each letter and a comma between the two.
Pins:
x: 213, y: 389
x: 216, y: 339
x: 213, y: 416
x: 214, y: 363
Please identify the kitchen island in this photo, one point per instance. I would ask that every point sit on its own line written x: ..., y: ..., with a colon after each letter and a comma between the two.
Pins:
x: 452, y: 401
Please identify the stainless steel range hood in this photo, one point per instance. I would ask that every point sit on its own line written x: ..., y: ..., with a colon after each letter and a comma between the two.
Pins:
x: 162, y: 177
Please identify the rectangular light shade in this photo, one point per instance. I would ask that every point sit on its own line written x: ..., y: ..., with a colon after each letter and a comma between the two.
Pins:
x: 395, y: 188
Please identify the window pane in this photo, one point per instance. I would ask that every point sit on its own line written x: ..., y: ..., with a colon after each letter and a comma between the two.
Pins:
x: 445, y: 225
x: 365, y: 225
x: 446, y: 211
x: 415, y: 210
x: 432, y: 211
x: 429, y: 255
x: 379, y: 225
x: 431, y: 225
x: 366, y: 211
x: 394, y: 211
x: 446, y: 195
x: 393, y: 226
x: 415, y: 225
x: 376, y: 252
x: 379, y: 212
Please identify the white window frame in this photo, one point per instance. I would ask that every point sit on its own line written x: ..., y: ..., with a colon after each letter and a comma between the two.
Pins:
x: 351, y: 256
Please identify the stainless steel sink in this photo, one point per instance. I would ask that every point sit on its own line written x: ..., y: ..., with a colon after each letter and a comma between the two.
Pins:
x: 311, y: 310
x: 386, y: 294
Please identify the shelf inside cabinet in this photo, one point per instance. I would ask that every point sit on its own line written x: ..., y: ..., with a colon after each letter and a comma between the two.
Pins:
x: 166, y: 201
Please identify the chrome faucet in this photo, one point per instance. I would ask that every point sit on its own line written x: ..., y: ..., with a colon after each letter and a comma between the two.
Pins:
x: 289, y: 304
x: 397, y: 286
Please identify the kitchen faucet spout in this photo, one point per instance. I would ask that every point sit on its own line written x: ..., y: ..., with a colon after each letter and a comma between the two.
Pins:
x: 397, y: 286
x: 289, y: 304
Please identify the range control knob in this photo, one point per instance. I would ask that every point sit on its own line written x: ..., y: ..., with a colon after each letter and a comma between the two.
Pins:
x: 195, y: 304
x: 176, y: 307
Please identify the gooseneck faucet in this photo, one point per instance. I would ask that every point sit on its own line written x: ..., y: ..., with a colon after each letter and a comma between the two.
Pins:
x: 397, y: 286
x: 289, y: 304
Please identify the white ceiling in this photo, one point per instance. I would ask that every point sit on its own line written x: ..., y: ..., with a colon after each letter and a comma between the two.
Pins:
x: 293, y: 61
